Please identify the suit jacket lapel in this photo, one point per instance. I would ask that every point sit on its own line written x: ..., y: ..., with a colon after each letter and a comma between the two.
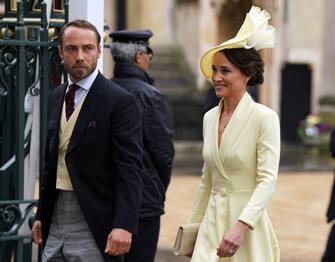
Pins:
x: 55, y: 110
x: 212, y: 125
x: 57, y: 107
x: 90, y: 104
x: 235, y: 125
x: 58, y: 102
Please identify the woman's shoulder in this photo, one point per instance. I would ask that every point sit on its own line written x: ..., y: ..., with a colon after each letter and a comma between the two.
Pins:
x: 264, y: 111
x: 211, y: 113
x: 265, y: 117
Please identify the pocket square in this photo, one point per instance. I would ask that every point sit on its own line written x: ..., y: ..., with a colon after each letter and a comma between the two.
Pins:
x: 92, y: 124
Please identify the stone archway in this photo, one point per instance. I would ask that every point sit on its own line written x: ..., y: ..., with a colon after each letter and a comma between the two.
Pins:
x: 231, y: 18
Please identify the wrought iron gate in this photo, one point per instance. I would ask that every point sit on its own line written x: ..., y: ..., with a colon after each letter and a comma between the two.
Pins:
x: 29, y: 68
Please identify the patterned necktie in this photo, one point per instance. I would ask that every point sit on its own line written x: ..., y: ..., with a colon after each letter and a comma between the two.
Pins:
x: 69, y: 100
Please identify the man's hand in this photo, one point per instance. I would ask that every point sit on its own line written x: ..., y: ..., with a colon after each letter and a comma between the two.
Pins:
x: 36, y: 232
x: 118, y: 242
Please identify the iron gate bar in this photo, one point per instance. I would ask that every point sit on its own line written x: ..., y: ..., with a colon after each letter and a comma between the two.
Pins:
x: 20, y: 123
x: 14, y: 202
x: 44, y: 92
x: 15, y: 238
x: 11, y: 212
x: 29, y: 43
x: 8, y: 166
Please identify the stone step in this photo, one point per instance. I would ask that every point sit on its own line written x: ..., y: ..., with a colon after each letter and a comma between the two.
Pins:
x: 187, y: 114
x: 161, y: 61
x: 170, y: 64
x: 188, y: 155
x: 167, y: 72
x: 174, y: 80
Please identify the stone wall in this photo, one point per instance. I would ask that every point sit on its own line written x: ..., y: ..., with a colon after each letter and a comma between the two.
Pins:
x: 156, y: 15
x: 327, y: 83
x: 303, y: 39
x: 186, y: 24
x: 110, y: 20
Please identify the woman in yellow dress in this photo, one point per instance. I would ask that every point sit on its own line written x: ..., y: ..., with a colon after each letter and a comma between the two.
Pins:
x: 241, y: 153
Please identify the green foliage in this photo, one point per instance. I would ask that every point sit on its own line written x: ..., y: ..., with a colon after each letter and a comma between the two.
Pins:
x: 327, y: 100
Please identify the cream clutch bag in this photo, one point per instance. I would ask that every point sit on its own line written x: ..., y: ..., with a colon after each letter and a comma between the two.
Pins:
x: 185, y: 240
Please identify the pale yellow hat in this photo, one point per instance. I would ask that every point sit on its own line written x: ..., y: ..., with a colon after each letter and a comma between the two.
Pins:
x: 254, y: 32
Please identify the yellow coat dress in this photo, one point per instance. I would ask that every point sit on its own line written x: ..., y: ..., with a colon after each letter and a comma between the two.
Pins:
x: 238, y: 180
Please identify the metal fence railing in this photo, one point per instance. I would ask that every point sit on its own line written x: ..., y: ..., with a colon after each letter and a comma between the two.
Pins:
x: 29, y: 67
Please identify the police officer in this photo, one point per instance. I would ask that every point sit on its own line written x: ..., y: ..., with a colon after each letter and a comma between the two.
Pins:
x: 132, y: 55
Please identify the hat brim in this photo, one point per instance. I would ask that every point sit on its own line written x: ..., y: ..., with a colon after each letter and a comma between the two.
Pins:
x: 207, y: 59
x: 254, y: 25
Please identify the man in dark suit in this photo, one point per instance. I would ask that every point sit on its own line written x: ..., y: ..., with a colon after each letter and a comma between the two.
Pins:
x: 132, y: 55
x: 329, y: 253
x: 91, y: 185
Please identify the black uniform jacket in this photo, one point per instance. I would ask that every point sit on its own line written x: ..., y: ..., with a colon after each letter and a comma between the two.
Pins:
x: 331, y: 207
x: 157, y: 136
x: 104, y: 159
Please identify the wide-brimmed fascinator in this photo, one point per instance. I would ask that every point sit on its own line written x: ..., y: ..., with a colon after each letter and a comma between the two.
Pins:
x: 254, y: 33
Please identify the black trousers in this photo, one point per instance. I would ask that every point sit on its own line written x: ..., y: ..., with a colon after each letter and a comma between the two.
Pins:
x: 329, y: 254
x: 144, y: 244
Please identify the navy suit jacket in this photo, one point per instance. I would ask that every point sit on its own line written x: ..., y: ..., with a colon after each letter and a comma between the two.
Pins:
x: 158, y: 146
x: 104, y: 160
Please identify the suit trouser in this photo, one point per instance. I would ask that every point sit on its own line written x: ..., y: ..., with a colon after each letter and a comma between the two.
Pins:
x: 69, y: 238
x: 144, y: 243
x: 329, y: 254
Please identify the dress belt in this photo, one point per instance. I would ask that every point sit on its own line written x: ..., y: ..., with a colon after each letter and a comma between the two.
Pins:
x: 225, y: 191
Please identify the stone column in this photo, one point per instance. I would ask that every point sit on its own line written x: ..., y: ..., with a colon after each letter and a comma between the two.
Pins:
x: 270, y: 91
x: 109, y: 14
x: 92, y: 11
x: 327, y: 86
x: 208, y: 28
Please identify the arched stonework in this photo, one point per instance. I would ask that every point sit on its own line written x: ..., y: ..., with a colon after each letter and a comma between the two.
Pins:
x: 231, y: 18
x: 270, y: 88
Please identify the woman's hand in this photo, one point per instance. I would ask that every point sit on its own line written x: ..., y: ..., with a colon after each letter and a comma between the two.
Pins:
x: 232, y: 240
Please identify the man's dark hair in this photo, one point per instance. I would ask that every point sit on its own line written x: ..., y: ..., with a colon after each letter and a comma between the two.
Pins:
x: 80, y: 24
x: 249, y: 62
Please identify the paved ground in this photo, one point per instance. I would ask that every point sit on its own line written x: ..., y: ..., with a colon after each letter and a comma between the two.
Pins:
x: 297, y: 211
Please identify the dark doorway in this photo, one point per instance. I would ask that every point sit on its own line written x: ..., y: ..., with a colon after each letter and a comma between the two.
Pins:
x: 295, y: 99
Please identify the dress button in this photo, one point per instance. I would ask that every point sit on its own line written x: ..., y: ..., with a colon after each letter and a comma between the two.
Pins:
x: 223, y: 191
